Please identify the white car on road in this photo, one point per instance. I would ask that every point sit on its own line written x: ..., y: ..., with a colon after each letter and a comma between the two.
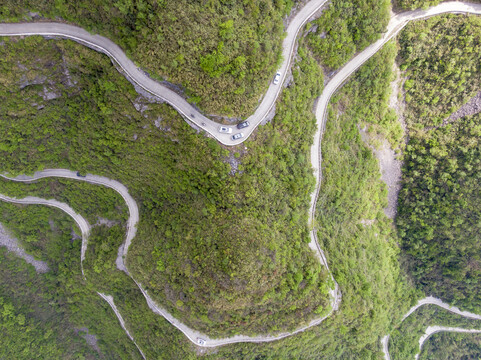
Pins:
x: 277, y: 78
x: 225, y: 129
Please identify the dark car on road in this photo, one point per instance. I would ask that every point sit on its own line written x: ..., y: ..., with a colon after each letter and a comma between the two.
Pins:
x: 80, y: 175
x: 243, y: 125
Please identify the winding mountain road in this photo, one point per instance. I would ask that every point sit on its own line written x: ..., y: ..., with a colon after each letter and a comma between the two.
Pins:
x: 81, y: 222
x: 132, y: 221
x: 430, y: 300
x: 106, y: 46
x: 110, y: 300
x: 97, y: 180
x: 133, y: 72
x: 435, y: 329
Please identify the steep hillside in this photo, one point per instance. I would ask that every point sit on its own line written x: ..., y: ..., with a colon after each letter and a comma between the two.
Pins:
x: 208, y: 247
x: 222, y: 54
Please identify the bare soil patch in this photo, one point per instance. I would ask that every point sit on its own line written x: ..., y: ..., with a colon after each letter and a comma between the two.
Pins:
x: 13, y: 245
x: 389, y: 164
x: 473, y: 106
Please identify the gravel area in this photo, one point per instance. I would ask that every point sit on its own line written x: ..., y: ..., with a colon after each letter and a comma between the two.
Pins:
x: 390, y: 169
x: 473, y: 106
x: 107, y: 222
x: 13, y: 245
x: 89, y: 338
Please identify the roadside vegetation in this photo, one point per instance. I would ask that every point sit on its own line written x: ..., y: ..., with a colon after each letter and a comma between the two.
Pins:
x: 364, y: 257
x: 254, y: 273
x: 208, y: 247
x: 357, y: 236
x: 62, y: 306
x: 95, y: 203
x: 415, y: 4
x: 451, y: 346
x: 439, y: 215
x: 95, y: 117
x: 347, y: 27
x: 404, y: 341
x: 221, y: 54
x: 45, y: 315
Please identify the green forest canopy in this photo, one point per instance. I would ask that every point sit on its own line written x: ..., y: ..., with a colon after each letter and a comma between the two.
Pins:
x: 221, y: 54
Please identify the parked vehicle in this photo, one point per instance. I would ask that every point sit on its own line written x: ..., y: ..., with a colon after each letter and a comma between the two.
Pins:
x: 243, y: 125
x: 200, y: 341
x: 237, y: 136
x: 80, y: 175
x: 225, y: 129
x: 277, y: 78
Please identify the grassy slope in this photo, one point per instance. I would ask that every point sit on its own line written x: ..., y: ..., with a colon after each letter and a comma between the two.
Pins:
x: 223, y: 53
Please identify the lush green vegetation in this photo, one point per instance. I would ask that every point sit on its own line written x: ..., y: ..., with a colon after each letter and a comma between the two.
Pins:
x: 364, y: 258
x: 223, y: 53
x: 414, y: 4
x: 155, y: 336
x: 61, y: 303
x: 440, y: 57
x: 365, y: 254
x: 43, y: 314
x: 404, y: 342
x: 439, y: 212
x: 231, y: 259
x: 255, y: 268
x: 95, y: 203
x: 438, y: 207
x: 451, y: 346
x: 180, y: 195
x: 346, y: 27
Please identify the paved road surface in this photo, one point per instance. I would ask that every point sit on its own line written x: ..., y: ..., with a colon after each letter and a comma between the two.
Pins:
x: 98, y: 180
x: 110, y: 300
x: 81, y: 222
x: 108, y: 47
x: 435, y: 329
x: 430, y: 300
